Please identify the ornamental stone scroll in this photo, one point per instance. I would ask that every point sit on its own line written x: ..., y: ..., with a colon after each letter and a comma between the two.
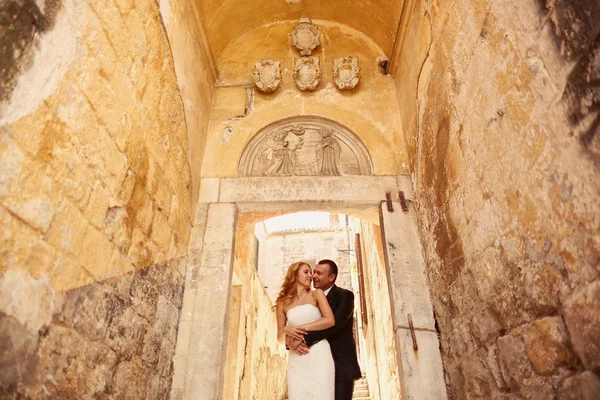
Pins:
x: 305, y: 146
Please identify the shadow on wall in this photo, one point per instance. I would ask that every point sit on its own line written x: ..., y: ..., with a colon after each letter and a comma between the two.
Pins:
x: 22, y: 22
x: 577, y: 34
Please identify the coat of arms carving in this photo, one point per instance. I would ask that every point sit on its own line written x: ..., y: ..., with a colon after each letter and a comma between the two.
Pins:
x: 346, y: 72
x: 267, y: 75
x: 306, y: 37
x: 307, y: 73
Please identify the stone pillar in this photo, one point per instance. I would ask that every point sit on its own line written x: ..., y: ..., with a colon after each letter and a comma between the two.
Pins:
x: 202, y: 337
x: 421, y: 370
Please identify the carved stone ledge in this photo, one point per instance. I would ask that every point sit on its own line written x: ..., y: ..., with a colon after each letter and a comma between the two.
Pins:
x: 346, y: 72
x: 307, y: 73
x: 267, y: 75
x: 305, y: 37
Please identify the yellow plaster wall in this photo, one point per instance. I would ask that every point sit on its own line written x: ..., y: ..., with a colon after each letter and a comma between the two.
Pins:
x: 226, y: 21
x: 370, y: 111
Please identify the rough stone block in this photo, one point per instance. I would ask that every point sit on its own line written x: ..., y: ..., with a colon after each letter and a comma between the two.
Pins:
x: 18, y: 347
x: 13, y: 159
x: 477, y: 379
x: 543, y: 287
x: 118, y: 265
x: 34, y: 196
x: 125, y: 332
x: 68, y: 228
x: 585, y: 386
x: 140, y: 253
x: 514, y: 364
x: 129, y: 381
x: 98, y: 205
x: 582, y: 316
x: 96, y: 252
x: 41, y: 258
x: 485, y: 325
x: 69, y: 273
x: 118, y: 228
x: 161, y: 231
x: 547, y: 345
x: 144, y: 294
x: 15, y: 240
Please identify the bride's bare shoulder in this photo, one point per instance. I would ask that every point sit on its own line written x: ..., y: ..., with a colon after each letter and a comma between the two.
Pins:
x: 284, y: 304
x: 317, y: 293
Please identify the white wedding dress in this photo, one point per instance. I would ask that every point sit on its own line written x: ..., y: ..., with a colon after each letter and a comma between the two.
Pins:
x: 311, y: 376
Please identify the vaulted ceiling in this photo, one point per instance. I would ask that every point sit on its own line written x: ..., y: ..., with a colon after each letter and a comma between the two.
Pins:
x: 226, y: 20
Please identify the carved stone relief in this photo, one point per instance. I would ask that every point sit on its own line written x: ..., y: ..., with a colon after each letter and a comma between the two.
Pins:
x: 305, y: 146
x: 267, y: 75
x: 307, y: 73
x: 346, y: 72
x: 306, y: 37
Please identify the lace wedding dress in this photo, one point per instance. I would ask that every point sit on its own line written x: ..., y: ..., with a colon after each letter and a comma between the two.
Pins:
x: 311, y: 376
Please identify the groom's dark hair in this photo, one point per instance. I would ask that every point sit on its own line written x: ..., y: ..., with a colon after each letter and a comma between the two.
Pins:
x: 333, y: 269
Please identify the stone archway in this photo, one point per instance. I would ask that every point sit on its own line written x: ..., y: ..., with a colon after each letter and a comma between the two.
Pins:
x: 305, y: 146
x: 202, y: 337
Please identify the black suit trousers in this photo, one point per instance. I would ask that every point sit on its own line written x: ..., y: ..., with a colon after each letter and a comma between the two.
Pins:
x: 344, y: 390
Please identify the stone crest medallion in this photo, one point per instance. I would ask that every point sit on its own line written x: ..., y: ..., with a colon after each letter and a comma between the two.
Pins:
x: 346, y: 72
x: 307, y: 73
x: 306, y: 37
x: 267, y: 75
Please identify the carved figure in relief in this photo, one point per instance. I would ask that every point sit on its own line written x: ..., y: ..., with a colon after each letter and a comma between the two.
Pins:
x: 328, y: 154
x: 305, y: 146
x: 267, y: 75
x: 280, y: 155
x: 307, y: 73
x: 346, y: 72
x: 305, y: 36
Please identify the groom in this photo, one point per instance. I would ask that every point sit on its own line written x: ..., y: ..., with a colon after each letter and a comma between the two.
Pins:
x: 340, y: 336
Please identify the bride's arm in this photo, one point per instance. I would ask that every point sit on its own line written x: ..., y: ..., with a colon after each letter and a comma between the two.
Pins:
x: 295, y: 332
x: 327, y: 321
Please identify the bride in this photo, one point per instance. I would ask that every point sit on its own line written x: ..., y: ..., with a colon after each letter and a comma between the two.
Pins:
x: 310, y: 376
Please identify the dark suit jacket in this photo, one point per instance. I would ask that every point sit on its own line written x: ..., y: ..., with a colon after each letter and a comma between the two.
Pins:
x: 340, y: 336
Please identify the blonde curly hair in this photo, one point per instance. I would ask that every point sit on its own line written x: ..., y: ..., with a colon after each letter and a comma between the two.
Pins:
x: 288, y: 288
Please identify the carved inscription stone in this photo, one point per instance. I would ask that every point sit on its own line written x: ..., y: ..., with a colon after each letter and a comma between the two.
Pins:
x: 346, y: 72
x: 305, y: 37
x: 307, y: 73
x: 363, y: 189
x: 305, y: 146
x: 267, y: 75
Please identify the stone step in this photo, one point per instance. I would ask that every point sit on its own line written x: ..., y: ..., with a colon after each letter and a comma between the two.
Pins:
x: 361, y: 393
x: 362, y: 386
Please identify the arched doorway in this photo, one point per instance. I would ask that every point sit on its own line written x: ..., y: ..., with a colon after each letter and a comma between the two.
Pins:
x: 202, y: 344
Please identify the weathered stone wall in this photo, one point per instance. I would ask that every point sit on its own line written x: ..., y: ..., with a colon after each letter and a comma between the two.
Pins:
x: 262, y: 360
x: 196, y: 74
x: 113, y: 339
x: 382, y: 363
x: 501, y: 115
x: 94, y: 184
